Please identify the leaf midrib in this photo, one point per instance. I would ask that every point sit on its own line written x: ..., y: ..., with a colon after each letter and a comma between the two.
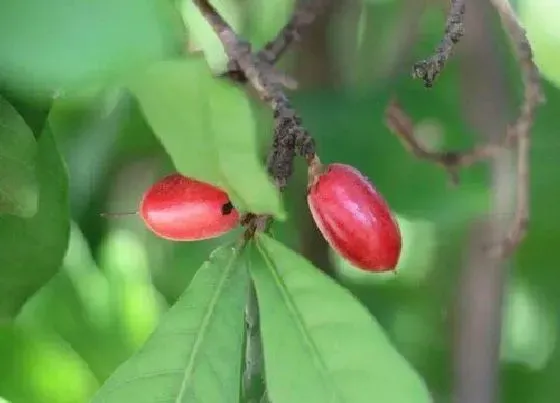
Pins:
x: 316, y: 356
x: 199, y: 340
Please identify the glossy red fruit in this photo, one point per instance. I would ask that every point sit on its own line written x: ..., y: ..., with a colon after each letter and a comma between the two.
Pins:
x: 184, y: 209
x: 354, y: 218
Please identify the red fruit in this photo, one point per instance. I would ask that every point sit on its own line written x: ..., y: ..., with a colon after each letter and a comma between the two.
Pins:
x: 354, y: 218
x: 184, y: 209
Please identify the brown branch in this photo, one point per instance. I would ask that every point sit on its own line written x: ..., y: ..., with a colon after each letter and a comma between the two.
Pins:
x: 480, y: 286
x: 402, y: 126
x: 304, y: 14
x: 430, y: 68
x: 517, y: 134
x: 520, y: 130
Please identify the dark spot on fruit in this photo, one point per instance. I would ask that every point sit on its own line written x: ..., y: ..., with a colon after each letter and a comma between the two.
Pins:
x: 227, y: 208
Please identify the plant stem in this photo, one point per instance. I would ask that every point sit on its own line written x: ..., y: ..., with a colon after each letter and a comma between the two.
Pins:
x: 254, y: 390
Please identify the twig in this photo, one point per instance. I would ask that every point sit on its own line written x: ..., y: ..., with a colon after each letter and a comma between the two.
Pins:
x: 401, y: 125
x: 430, y: 68
x: 518, y: 133
x: 304, y: 14
x: 520, y: 130
x: 253, y: 379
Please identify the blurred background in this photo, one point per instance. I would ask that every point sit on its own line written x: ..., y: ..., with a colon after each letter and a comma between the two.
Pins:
x: 118, y: 279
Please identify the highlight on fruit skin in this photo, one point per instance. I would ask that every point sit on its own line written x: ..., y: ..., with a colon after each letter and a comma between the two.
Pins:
x: 179, y: 208
x: 354, y: 218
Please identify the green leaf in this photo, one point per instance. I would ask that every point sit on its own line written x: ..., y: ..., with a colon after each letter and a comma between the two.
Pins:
x: 206, y: 125
x: 320, y: 344
x: 68, y: 44
x: 18, y: 185
x: 195, y: 353
x: 32, y: 249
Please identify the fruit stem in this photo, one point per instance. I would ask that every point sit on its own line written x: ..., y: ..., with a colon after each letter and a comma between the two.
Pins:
x: 314, y: 170
x: 118, y: 215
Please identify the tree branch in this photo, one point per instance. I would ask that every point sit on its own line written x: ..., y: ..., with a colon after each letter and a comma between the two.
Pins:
x: 304, y: 14
x: 518, y: 133
x: 520, y: 130
x: 430, y: 68
x: 480, y: 285
x: 402, y: 126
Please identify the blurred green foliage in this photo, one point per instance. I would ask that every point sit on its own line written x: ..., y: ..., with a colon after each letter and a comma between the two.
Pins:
x: 26, y: 266
x: 93, y: 311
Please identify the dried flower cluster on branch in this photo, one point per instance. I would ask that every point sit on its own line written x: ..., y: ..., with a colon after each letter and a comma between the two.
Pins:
x: 429, y: 69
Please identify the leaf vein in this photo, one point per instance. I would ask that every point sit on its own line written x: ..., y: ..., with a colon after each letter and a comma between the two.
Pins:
x: 205, y: 324
x: 300, y: 324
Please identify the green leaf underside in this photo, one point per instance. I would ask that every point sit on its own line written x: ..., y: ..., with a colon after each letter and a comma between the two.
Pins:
x: 18, y: 185
x: 32, y: 249
x: 206, y: 126
x: 194, y: 354
x: 320, y: 344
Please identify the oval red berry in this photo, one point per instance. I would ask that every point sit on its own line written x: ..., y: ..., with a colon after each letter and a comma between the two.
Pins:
x: 185, y: 209
x: 355, y: 219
